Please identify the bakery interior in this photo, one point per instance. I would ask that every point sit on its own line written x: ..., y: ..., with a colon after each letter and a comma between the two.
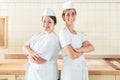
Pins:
x: 98, y: 20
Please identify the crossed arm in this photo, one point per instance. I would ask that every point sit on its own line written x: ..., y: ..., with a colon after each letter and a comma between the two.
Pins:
x: 74, y: 53
x: 32, y: 55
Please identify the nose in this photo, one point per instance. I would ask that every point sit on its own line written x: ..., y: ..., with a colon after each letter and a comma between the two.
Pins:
x: 71, y: 17
x: 45, y: 24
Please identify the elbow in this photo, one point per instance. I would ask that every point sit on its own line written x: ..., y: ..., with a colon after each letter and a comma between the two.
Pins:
x: 24, y: 47
x: 24, y: 50
x: 93, y: 49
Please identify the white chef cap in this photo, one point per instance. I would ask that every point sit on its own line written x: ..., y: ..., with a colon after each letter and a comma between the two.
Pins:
x: 68, y: 5
x: 48, y: 12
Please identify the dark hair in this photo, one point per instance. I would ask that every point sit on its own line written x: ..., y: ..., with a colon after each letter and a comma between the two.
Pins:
x: 53, y: 18
x: 64, y: 11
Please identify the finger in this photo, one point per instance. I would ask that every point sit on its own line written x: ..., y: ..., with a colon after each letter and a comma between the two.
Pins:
x: 33, y: 56
x: 37, y: 56
x: 34, y: 61
x: 31, y: 59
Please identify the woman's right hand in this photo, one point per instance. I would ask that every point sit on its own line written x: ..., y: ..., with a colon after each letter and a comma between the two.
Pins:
x: 34, y: 57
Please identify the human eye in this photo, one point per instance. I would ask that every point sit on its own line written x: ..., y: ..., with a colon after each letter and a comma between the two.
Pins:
x: 73, y: 14
x: 44, y: 21
x: 68, y: 14
x: 49, y: 21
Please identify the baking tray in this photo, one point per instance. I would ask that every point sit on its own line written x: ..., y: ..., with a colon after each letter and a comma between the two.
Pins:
x: 114, y: 62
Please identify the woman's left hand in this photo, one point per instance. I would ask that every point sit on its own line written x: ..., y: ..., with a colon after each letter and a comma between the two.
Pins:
x: 77, y: 50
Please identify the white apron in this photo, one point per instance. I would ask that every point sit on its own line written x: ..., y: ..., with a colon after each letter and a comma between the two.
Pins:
x: 73, y: 69
x: 46, y: 71
x: 47, y: 45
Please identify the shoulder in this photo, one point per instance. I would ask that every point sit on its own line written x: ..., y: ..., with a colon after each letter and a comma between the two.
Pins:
x: 63, y: 32
x: 52, y: 41
x: 82, y: 36
x: 38, y: 34
x: 79, y: 33
x: 53, y: 37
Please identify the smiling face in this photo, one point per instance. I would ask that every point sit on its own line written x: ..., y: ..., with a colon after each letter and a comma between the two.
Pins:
x: 48, y: 24
x: 69, y: 16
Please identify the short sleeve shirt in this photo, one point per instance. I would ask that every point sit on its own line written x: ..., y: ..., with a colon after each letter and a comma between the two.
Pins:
x: 47, y: 45
x: 66, y: 37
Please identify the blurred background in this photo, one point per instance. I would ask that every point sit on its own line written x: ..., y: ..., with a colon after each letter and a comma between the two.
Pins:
x: 98, y: 20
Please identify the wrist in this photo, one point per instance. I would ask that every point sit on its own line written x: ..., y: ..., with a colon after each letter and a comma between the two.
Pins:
x: 81, y: 50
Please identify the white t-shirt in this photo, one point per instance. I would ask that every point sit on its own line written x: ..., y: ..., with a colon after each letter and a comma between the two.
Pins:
x: 47, y: 45
x: 76, y: 40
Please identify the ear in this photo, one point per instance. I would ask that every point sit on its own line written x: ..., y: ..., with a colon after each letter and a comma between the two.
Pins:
x: 63, y: 18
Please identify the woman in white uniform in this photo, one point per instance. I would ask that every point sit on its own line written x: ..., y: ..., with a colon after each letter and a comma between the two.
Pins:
x: 74, y: 45
x: 42, y: 50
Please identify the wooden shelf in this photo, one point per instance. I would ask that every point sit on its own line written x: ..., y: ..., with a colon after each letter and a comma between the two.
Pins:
x: 87, y: 56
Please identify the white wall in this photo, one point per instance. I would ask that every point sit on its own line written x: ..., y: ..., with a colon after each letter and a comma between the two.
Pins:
x: 58, y: 1
x: 100, y: 22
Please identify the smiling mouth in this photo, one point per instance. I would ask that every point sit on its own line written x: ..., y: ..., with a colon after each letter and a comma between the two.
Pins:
x: 71, y: 20
x: 47, y: 28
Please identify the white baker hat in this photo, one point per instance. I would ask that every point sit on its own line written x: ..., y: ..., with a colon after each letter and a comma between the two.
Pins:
x: 68, y: 5
x: 48, y: 12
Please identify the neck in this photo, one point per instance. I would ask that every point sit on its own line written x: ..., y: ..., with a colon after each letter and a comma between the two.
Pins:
x: 71, y: 28
x: 48, y: 32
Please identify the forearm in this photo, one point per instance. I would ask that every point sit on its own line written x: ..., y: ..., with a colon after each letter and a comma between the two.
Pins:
x: 37, y: 61
x: 71, y: 52
x: 77, y: 54
x: 28, y: 50
x: 85, y: 49
x: 33, y: 55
